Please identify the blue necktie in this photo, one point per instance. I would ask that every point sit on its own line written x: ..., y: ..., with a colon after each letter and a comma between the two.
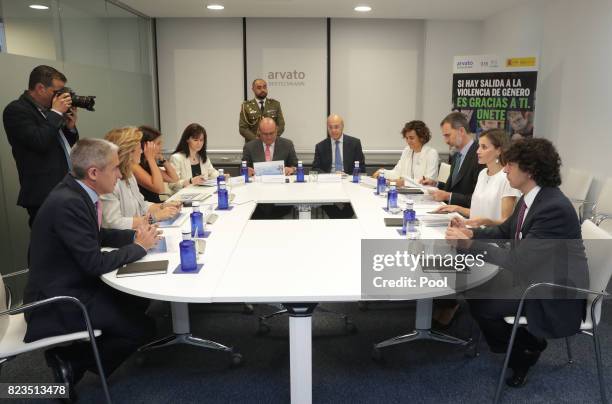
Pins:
x: 456, y: 167
x: 338, y: 157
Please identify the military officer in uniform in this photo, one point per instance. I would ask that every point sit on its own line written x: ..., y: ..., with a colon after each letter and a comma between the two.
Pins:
x: 259, y: 107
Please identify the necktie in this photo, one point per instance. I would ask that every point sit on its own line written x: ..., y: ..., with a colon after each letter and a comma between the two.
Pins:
x: 521, y: 217
x: 261, y: 106
x: 338, y: 166
x: 268, y: 156
x: 99, y: 211
x: 456, y: 167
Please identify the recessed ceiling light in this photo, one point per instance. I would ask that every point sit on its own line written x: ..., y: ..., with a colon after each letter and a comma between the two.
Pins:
x: 363, y: 9
x: 215, y: 7
x: 39, y: 7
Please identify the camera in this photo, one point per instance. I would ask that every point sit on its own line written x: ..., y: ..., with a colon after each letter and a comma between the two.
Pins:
x: 80, y: 101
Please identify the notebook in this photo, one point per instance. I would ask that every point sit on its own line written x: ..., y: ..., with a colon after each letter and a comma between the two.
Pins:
x: 143, y: 268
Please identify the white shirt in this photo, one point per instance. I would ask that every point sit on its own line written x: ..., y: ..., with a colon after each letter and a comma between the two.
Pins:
x: 488, y: 195
x: 415, y: 165
x: 528, y: 199
x: 271, y: 150
x: 333, y: 149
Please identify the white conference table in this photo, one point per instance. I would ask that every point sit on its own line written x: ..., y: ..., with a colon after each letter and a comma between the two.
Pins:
x: 298, y: 263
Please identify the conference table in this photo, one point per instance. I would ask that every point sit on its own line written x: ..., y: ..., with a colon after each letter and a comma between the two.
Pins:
x: 297, y: 263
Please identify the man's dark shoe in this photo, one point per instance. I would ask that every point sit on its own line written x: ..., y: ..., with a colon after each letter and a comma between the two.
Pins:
x: 62, y: 373
x: 521, y: 364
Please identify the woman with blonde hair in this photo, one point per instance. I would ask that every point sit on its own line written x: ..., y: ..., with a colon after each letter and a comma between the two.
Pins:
x: 126, y: 208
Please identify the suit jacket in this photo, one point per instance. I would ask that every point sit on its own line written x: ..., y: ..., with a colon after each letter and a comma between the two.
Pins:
x: 183, y: 169
x: 41, y: 161
x: 463, y: 186
x: 550, y: 250
x: 250, y: 115
x: 253, y: 152
x: 351, y: 152
x: 65, y: 259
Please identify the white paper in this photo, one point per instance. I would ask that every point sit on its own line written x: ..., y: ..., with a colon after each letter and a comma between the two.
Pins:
x: 329, y: 178
x: 276, y: 179
x: 269, y: 168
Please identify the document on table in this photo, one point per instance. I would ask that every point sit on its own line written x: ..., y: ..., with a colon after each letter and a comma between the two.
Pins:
x: 269, y: 168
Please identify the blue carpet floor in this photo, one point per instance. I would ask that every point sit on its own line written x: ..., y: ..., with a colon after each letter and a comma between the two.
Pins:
x: 343, y: 371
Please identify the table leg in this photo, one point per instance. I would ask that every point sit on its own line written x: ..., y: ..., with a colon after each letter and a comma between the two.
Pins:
x: 300, y: 351
x: 304, y: 212
x: 182, y: 335
x: 422, y: 329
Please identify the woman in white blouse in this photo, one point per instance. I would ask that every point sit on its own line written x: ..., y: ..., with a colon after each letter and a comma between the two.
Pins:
x: 126, y: 208
x: 418, y: 160
x: 493, y: 199
x: 190, y: 160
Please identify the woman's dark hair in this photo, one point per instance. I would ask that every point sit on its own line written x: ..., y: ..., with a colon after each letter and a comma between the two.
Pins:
x: 499, y: 139
x: 149, y: 134
x: 421, y: 130
x: 194, y: 131
x: 537, y: 157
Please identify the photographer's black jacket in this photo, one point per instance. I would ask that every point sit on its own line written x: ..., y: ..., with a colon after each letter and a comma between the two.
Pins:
x: 35, y: 142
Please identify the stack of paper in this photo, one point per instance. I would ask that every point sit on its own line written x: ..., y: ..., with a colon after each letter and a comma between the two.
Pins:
x: 437, y: 220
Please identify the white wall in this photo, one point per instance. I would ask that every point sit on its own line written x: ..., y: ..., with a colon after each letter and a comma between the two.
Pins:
x: 383, y: 74
x: 296, y: 45
x: 376, y: 77
x: 443, y: 41
x: 200, y: 70
x: 573, y: 98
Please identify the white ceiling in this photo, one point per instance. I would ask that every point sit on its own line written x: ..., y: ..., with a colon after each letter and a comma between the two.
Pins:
x: 413, y: 9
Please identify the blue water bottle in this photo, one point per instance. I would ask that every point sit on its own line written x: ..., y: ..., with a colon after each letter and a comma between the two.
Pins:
x: 197, y: 220
x: 410, y: 224
x: 220, y: 177
x: 244, y: 171
x: 223, y: 200
x: 392, y: 200
x: 299, y: 173
x: 356, y: 172
x: 381, y: 183
x: 188, y: 253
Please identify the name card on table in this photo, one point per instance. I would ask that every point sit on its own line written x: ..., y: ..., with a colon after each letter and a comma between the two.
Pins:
x: 273, y: 179
x: 269, y: 168
x: 330, y: 178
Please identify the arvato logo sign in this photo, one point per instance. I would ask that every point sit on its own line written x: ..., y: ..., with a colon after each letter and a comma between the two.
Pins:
x: 293, y: 78
x: 464, y: 64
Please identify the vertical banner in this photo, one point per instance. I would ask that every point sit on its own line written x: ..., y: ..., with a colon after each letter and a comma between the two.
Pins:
x: 496, y: 92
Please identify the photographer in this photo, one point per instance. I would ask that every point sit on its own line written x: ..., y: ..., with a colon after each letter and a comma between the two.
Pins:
x: 41, y: 128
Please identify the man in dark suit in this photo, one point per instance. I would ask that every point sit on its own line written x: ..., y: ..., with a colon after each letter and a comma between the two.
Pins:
x: 458, y: 188
x: 545, y: 236
x: 339, y: 151
x: 65, y: 260
x: 41, y: 128
x: 270, y: 147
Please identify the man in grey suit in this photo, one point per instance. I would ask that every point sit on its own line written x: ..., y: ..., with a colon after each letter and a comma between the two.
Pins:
x: 270, y: 147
